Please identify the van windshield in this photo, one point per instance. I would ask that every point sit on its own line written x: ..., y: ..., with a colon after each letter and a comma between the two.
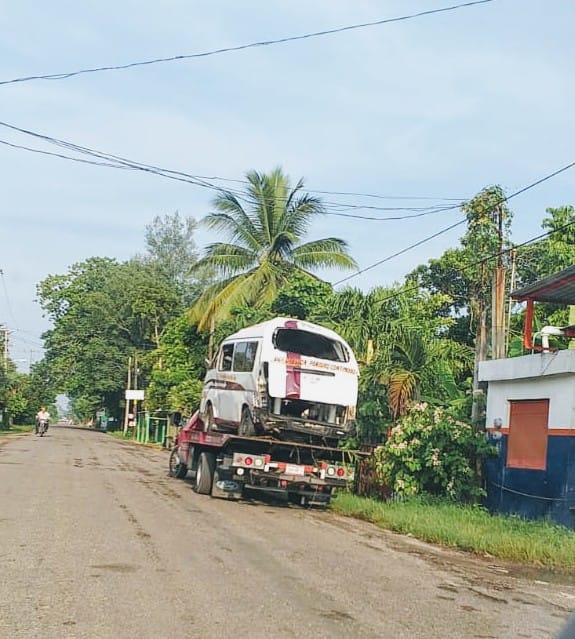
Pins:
x: 310, y: 344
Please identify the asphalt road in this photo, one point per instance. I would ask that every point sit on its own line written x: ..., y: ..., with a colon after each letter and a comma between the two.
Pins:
x: 97, y: 542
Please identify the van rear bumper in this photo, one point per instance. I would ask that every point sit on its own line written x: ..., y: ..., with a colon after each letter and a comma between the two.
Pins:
x: 275, y: 424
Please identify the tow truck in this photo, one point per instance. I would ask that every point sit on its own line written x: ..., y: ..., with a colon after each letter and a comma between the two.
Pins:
x: 230, y: 466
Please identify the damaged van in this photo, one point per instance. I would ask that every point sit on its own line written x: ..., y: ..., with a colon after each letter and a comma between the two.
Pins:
x: 284, y: 377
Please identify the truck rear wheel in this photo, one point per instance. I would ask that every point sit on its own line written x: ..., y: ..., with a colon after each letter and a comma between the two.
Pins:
x: 177, y: 468
x: 205, y: 473
x: 247, y: 427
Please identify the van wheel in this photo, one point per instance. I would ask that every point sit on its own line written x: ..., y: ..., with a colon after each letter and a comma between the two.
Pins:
x: 247, y: 427
x: 205, y: 473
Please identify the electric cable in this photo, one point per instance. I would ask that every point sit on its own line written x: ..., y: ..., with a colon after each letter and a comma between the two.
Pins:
x: 109, y: 160
x: 6, y: 296
x: 251, y: 45
x: 501, y: 201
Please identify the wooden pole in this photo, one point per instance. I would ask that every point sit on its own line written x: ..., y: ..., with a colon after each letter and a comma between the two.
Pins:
x: 127, y: 409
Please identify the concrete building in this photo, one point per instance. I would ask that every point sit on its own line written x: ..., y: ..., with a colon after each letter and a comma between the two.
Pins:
x: 530, y: 416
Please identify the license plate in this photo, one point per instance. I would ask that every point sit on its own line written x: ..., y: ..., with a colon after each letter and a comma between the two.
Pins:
x: 294, y: 469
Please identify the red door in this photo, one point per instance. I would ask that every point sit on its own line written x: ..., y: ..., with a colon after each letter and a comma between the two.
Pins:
x: 527, y: 443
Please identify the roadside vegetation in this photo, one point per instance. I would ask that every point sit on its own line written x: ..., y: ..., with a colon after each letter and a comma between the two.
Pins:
x: 467, y: 527
x: 16, y: 429
x: 154, y: 319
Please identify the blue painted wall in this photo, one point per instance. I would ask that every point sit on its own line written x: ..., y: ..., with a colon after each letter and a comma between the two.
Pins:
x: 534, y: 494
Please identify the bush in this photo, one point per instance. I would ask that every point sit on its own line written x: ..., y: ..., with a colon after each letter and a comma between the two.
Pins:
x: 429, y: 451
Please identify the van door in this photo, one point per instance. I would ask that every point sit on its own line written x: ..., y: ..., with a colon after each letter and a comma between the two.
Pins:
x: 313, y: 367
x: 233, y: 382
x: 244, y: 380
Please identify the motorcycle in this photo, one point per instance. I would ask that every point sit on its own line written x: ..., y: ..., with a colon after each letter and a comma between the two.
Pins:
x: 42, y: 427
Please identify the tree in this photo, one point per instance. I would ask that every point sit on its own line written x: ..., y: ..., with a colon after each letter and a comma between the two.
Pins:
x: 422, y: 365
x: 468, y: 273
x: 303, y: 297
x: 103, y: 312
x: 552, y: 253
x: 540, y: 259
x: 176, y: 386
x: 265, y: 227
x: 171, y: 248
x: 399, y: 335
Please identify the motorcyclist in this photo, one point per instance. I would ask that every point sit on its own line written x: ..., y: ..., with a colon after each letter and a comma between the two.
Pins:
x: 42, y: 416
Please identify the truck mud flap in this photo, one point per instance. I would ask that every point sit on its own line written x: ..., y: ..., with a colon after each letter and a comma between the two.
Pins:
x: 224, y: 487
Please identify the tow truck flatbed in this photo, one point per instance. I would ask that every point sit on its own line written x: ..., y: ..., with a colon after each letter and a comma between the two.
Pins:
x: 229, y: 466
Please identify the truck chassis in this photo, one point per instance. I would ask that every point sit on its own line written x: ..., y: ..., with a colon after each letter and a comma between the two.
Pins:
x: 234, y: 467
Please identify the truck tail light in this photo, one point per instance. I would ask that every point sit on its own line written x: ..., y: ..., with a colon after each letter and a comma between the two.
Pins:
x: 249, y: 461
x: 335, y: 471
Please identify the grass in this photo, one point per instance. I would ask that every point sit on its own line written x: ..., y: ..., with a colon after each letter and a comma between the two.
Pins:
x: 17, y: 429
x: 129, y: 437
x: 469, y: 528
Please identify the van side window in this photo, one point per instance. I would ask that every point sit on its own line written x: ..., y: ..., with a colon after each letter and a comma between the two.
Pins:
x: 225, y: 363
x: 245, y: 356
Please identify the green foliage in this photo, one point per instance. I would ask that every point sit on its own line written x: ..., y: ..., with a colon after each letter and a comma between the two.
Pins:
x: 429, y: 451
x: 550, y: 254
x: 172, y: 251
x: 179, y: 362
x: 185, y: 396
x: 373, y: 417
x: 102, y: 312
x: 303, y: 297
x: 21, y: 395
x: 465, y: 273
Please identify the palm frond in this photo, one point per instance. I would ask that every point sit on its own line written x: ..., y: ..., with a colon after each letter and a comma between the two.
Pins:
x: 329, y: 252
x: 216, y: 301
x: 234, y: 223
x: 256, y: 288
x: 302, y: 209
x: 401, y: 386
x: 226, y: 259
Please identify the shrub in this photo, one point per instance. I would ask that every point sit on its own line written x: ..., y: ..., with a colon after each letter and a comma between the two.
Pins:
x: 429, y: 451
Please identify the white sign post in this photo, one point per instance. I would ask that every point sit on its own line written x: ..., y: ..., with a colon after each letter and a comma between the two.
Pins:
x: 135, y: 395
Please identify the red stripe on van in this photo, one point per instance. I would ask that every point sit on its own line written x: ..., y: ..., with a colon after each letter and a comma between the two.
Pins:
x: 293, y: 375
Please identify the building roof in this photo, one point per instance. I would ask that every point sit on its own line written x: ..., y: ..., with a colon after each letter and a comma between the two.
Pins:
x: 558, y: 288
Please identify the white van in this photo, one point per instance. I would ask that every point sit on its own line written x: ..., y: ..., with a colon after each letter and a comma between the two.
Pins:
x: 282, y: 376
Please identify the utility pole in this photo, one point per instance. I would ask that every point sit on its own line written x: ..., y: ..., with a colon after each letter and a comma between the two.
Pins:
x: 4, y: 332
x: 511, y: 287
x: 136, y: 387
x: 128, y: 387
x: 498, y: 296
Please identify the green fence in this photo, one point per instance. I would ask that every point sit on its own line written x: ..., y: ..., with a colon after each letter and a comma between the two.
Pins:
x: 151, y: 430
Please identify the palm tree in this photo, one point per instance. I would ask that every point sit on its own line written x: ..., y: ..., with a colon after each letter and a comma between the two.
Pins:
x: 420, y: 364
x: 265, y: 226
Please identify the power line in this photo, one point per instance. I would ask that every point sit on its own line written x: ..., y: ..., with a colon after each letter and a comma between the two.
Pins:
x: 416, y: 287
x: 251, y: 45
x: 108, y: 160
x: 6, y: 297
x: 378, y: 196
x: 401, y: 252
x: 427, y: 239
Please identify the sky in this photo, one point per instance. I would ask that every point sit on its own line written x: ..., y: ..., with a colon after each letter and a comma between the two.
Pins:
x: 422, y: 113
